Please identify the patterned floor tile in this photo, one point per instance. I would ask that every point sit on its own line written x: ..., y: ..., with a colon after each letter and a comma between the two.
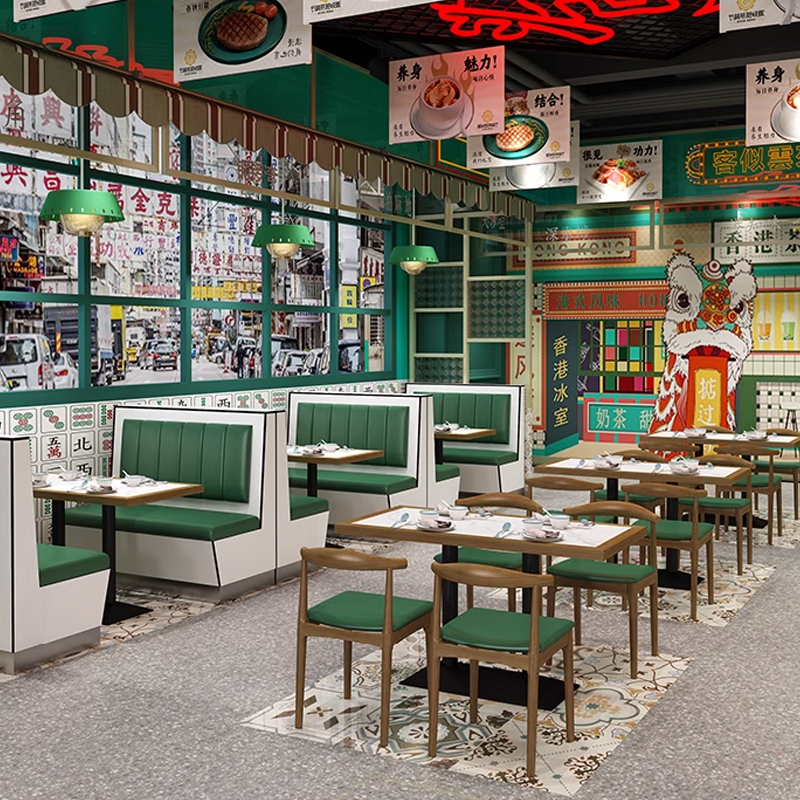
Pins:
x: 608, y: 706
x: 790, y: 538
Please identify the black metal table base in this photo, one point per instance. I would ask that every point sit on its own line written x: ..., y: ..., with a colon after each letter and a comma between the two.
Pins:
x: 497, y: 685
x: 118, y: 612
x: 676, y: 580
x: 312, y: 485
x: 438, y: 451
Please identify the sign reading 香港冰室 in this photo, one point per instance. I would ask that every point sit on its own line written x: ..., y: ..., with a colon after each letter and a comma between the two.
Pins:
x: 630, y: 300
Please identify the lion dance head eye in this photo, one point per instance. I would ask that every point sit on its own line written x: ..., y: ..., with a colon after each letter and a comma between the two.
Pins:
x: 739, y: 307
x: 682, y: 301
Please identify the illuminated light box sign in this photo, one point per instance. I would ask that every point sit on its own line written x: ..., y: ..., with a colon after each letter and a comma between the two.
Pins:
x: 629, y: 300
x: 732, y: 162
x: 323, y: 10
x: 9, y: 248
x: 614, y: 173
x: 607, y: 417
x: 30, y: 9
x: 773, y: 101
x: 448, y: 95
x: 737, y: 15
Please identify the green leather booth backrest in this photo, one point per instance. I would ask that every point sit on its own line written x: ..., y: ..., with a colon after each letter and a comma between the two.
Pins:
x: 366, y: 427
x: 477, y: 411
x: 216, y: 455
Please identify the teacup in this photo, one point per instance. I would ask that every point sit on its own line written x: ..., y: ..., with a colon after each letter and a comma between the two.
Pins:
x: 70, y: 474
x: 458, y: 512
x: 691, y: 464
x: 134, y: 480
x: 104, y: 482
x: 40, y: 478
x: 442, y: 102
x: 532, y: 524
x: 559, y: 521
x: 330, y: 447
x: 789, y: 113
x: 429, y: 512
x: 615, y: 460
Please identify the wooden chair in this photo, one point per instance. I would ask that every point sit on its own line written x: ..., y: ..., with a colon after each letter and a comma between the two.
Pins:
x: 717, y: 428
x: 380, y: 620
x: 494, y: 558
x: 725, y: 505
x: 768, y: 484
x: 520, y: 641
x: 679, y: 535
x: 783, y: 467
x: 558, y: 483
x: 666, y: 446
x: 629, y: 580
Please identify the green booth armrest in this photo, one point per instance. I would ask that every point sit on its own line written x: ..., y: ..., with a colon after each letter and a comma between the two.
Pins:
x: 335, y: 480
x: 444, y: 472
x: 57, y: 564
x: 181, y: 523
x: 479, y: 455
x: 302, y: 506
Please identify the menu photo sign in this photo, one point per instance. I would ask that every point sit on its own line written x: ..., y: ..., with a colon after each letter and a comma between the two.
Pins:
x: 621, y: 172
x: 536, y: 131
x: 30, y: 9
x: 228, y: 37
x: 447, y: 95
x: 321, y: 10
x: 736, y: 15
x: 548, y: 175
x: 773, y: 102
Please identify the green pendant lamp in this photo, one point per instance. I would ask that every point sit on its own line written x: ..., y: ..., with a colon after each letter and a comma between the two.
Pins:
x: 413, y: 258
x: 283, y: 241
x: 81, y: 212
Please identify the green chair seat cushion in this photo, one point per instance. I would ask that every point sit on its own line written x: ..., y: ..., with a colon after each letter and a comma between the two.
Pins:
x: 338, y: 480
x: 57, y: 564
x: 719, y: 502
x: 674, y: 530
x: 601, y: 571
x: 181, y: 523
x: 302, y: 506
x: 759, y: 481
x: 602, y: 494
x: 445, y: 472
x: 784, y: 466
x: 491, y: 558
x: 502, y: 630
x: 477, y: 455
x: 363, y: 611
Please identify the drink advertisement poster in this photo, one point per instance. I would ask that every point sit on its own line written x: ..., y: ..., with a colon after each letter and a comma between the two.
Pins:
x: 540, y: 176
x: 448, y: 95
x: 613, y: 173
x: 30, y: 9
x: 536, y: 131
x: 323, y: 10
x: 736, y: 15
x: 229, y: 37
x: 773, y: 103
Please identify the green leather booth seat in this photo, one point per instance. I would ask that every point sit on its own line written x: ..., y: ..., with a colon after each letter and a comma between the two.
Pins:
x: 335, y: 480
x: 476, y: 411
x: 180, y: 523
x: 57, y: 564
x: 302, y: 506
x: 468, y: 455
x: 446, y: 471
x: 361, y: 427
x: 216, y: 455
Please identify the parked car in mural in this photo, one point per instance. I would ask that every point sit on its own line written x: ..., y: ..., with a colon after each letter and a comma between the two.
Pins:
x: 66, y: 371
x: 26, y: 360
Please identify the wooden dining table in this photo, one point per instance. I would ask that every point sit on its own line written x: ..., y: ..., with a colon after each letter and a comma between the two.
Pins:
x: 597, y: 542
x: 697, y: 444
x: 442, y: 434
x: 344, y: 455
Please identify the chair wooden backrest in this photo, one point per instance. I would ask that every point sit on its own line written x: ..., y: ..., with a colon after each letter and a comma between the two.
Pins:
x: 783, y: 432
x: 494, y: 578
x: 723, y: 460
x: 348, y: 560
x: 643, y: 455
x: 671, y: 491
x: 501, y: 500
x: 662, y: 445
x: 751, y: 450
x: 561, y: 483
x: 717, y: 428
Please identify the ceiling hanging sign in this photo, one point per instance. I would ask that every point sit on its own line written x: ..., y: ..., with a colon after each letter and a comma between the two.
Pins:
x: 448, y: 95
x: 30, y: 9
x: 323, y: 10
x: 773, y: 102
x: 536, y: 131
x: 614, y: 173
x: 736, y: 15
x: 540, y: 176
x: 228, y: 37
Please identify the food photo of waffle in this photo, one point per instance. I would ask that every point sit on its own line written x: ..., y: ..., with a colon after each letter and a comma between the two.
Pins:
x: 523, y: 136
x: 235, y: 32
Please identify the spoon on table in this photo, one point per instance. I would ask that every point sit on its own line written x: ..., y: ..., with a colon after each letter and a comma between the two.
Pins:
x: 403, y: 519
x: 503, y: 531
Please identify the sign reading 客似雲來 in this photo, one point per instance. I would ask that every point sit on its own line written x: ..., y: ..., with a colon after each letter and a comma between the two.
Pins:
x: 732, y: 162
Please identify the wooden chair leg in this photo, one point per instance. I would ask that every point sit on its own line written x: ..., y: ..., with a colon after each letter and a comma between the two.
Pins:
x: 551, y: 599
x: 576, y: 602
x: 348, y: 669
x: 470, y: 596
x: 589, y: 598
x: 750, y: 535
x: 710, y: 571
x: 796, y: 492
x: 300, y: 681
x: 780, y: 508
x: 569, y: 694
x: 473, y: 691
x: 633, y: 624
x: 386, y: 694
x: 512, y: 599
x: 693, y: 613
x: 533, y: 695
x: 739, y: 532
x: 433, y: 703
x: 770, y: 510
x: 654, y: 617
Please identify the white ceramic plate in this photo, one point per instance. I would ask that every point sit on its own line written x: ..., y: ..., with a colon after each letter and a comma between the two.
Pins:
x: 448, y: 527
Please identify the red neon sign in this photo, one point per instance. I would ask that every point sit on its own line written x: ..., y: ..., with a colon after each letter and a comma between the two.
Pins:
x: 559, y: 18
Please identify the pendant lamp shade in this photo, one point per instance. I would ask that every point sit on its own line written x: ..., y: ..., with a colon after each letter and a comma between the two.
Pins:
x: 413, y: 258
x: 82, y: 212
x: 283, y: 241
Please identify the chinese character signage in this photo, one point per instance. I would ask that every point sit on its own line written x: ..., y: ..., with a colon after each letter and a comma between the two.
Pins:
x: 30, y: 268
x: 536, y: 131
x: 628, y: 300
x: 609, y: 417
x: 773, y: 102
x: 762, y: 241
x: 542, y: 176
x: 323, y: 10
x: 736, y: 15
x: 228, y: 37
x: 721, y: 163
x: 348, y: 298
x: 29, y: 9
x: 620, y: 172
x: 449, y: 95
x: 9, y: 248
x: 561, y: 384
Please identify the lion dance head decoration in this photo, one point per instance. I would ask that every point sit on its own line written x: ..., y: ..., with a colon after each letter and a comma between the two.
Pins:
x: 708, y: 333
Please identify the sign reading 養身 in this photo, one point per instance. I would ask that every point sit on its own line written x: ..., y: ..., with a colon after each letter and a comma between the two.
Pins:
x: 30, y: 9
x: 228, y: 37
x: 564, y: 173
x: 628, y: 300
x: 612, y: 173
x: 9, y: 248
x: 322, y: 10
x: 731, y: 162
x: 761, y: 241
x: 610, y: 416
x: 448, y: 95
x: 561, y: 380
x: 773, y: 102
x: 536, y: 131
x: 736, y: 15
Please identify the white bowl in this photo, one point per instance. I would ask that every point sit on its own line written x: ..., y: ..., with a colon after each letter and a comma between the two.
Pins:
x: 330, y: 447
x: 615, y: 459
x: 429, y: 512
x: 532, y: 523
x: 104, y: 482
x: 458, y: 512
x: 71, y: 474
x: 134, y: 480
x: 559, y: 521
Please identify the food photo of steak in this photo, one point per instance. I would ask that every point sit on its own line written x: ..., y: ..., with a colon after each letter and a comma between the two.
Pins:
x: 241, y: 30
x: 515, y: 137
